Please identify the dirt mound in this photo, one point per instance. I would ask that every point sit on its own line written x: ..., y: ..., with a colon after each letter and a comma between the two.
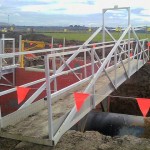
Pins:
x: 73, y: 140
x: 39, y: 37
x: 147, y: 128
x: 26, y: 36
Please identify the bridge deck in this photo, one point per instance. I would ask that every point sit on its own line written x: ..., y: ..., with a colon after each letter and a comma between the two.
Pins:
x: 36, y: 125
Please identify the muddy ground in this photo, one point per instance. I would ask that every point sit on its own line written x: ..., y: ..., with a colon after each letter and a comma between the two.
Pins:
x: 83, y: 141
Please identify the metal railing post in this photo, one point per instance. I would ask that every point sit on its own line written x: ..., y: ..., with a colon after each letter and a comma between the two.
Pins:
x: 49, y: 99
x: 144, y: 57
x: 54, y: 66
x: 14, y: 62
x: 1, y: 59
x: 93, y: 72
x: 20, y: 48
x: 22, y: 56
x: 14, y: 52
x: 137, y: 49
x: 115, y: 65
x: 64, y: 43
x: 103, y: 36
x: 85, y: 71
x: 129, y: 34
x: 3, y: 43
x: 125, y: 54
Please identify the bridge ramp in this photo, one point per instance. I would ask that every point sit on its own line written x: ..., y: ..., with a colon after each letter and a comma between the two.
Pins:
x: 34, y: 128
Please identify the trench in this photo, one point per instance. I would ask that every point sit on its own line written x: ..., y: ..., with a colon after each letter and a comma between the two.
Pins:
x: 124, y: 116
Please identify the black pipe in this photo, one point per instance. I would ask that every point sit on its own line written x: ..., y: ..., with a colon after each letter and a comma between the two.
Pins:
x: 113, y: 124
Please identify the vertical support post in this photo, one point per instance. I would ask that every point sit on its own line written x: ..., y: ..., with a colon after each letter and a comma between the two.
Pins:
x: 64, y: 43
x: 13, y: 63
x: 138, y: 55
x: 144, y: 57
x: 125, y: 51
x: 3, y: 43
x: 103, y: 37
x: 54, y: 67
x: 129, y: 32
x: 108, y: 104
x: 13, y: 51
x: 49, y: 99
x: 93, y: 72
x: 52, y: 42
x: 92, y: 61
x: 115, y: 65
x: 20, y: 47
x: 85, y: 72
x: 22, y: 56
x: 1, y: 49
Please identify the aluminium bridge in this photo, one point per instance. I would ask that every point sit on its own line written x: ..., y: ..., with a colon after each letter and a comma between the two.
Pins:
x: 111, y: 63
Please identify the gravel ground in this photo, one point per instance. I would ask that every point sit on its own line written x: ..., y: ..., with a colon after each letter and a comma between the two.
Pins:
x: 89, y: 140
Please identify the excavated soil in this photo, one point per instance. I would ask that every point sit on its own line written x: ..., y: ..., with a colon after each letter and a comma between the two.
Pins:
x: 146, y: 133
x: 73, y: 140
x: 39, y: 37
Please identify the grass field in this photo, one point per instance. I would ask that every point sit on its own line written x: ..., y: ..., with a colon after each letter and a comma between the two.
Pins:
x: 82, y: 36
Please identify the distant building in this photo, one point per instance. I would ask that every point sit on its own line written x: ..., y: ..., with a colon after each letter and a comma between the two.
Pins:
x: 5, y: 29
x: 65, y: 30
x: 148, y: 29
x: 30, y: 30
x: 118, y: 29
x: 90, y: 30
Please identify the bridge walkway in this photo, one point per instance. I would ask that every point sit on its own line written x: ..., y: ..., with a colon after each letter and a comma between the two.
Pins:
x: 35, y: 127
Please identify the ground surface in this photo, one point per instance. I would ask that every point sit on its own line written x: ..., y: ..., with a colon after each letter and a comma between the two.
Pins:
x: 82, y: 141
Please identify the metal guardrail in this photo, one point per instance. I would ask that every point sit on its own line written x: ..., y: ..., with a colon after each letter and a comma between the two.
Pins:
x: 7, y: 66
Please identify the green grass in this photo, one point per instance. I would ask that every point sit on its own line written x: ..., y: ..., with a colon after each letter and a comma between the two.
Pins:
x: 83, y: 36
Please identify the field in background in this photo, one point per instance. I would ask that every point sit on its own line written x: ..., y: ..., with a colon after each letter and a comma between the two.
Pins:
x: 83, y: 36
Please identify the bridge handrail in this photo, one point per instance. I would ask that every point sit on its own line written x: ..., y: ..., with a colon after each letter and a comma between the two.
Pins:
x: 101, y: 69
x: 64, y: 53
x: 8, y: 55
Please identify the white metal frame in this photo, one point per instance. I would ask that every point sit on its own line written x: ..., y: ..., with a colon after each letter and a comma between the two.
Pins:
x: 7, y: 68
x: 119, y: 55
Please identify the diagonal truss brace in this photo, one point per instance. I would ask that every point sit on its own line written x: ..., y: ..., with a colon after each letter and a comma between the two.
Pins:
x: 43, y: 86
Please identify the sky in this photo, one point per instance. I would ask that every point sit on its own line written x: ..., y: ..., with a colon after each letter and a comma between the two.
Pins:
x: 73, y: 12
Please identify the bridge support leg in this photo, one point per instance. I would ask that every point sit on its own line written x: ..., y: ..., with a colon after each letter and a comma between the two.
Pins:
x: 105, y: 104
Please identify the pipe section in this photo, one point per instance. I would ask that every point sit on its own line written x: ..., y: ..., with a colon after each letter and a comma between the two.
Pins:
x: 113, y: 124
